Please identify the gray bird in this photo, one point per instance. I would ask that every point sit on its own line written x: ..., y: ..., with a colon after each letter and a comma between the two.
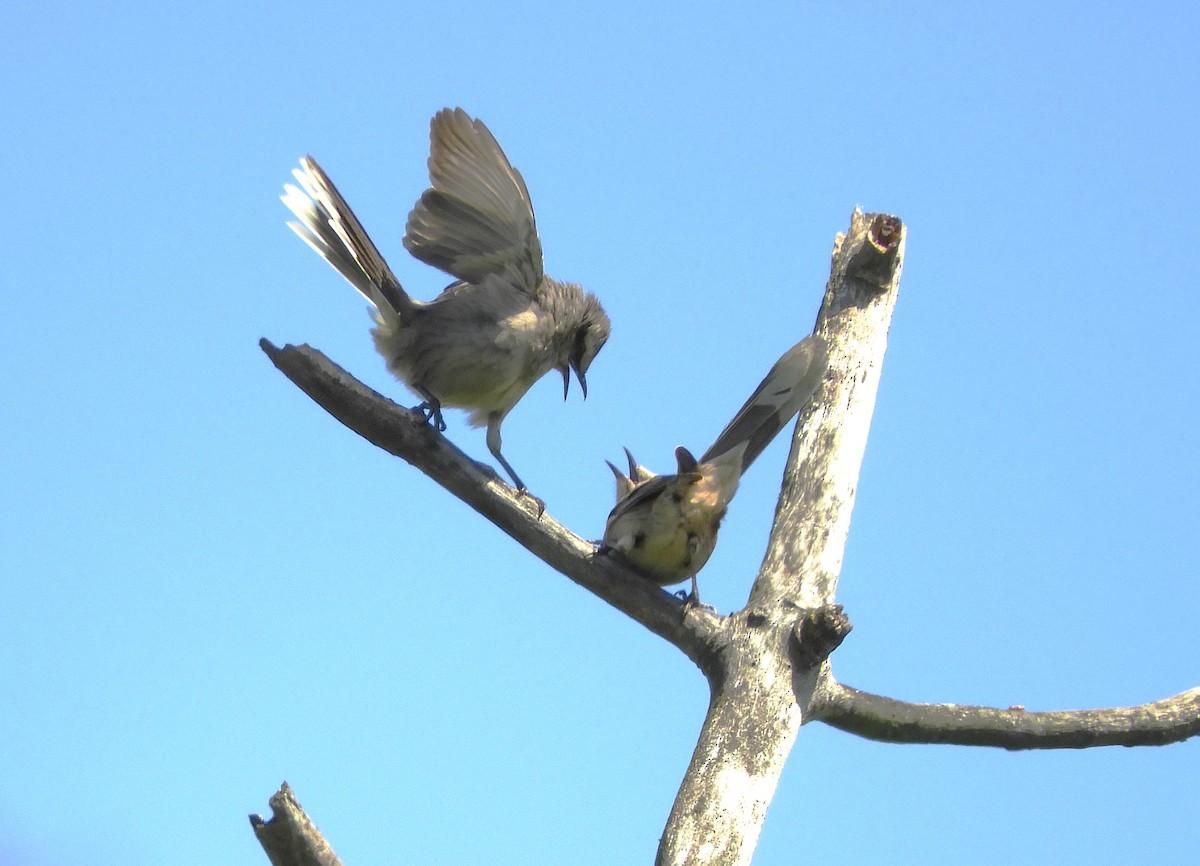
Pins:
x: 503, y: 324
x: 666, y: 526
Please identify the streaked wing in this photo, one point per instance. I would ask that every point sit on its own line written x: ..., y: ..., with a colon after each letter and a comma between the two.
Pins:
x: 475, y: 219
x: 786, y: 388
x: 646, y: 493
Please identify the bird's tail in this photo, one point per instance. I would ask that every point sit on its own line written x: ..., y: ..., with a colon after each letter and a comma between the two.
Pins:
x: 327, y: 224
x: 786, y: 388
x: 638, y: 475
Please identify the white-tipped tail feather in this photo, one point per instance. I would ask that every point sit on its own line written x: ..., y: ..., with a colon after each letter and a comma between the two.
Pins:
x: 327, y: 224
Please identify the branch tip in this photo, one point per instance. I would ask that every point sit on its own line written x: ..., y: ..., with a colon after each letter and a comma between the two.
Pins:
x: 290, y: 838
x: 875, y: 261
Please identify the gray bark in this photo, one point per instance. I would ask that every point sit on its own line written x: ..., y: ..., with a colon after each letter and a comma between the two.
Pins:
x: 878, y: 718
x: 760, y: 695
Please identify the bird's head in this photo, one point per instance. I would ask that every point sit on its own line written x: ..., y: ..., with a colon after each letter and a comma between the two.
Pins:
x: 587, y: 338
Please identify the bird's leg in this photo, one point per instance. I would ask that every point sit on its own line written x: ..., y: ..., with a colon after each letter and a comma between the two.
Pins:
x: 692, y: 598
x: 431, y: 409
x: 493, y: 443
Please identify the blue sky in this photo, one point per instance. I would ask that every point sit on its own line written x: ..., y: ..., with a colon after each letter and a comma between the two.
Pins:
x: 207, y: 585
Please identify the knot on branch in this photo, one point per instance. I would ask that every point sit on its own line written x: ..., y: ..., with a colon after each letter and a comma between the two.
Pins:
x: 818, y: 634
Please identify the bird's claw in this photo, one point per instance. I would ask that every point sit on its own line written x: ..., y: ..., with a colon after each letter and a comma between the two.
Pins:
x: 689, y: 599
x: 541, y: 506
x: 432, y: 414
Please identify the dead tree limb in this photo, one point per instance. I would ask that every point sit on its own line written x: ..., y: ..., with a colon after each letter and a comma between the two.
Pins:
x: 760, y: 693
x: 402, y: 432
x: 767, y: 665
x: 878, y: 718
x: 290, y: 838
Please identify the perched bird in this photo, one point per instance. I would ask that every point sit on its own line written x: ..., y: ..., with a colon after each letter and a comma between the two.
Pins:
x: 503, y: 324
x: 666, y: 526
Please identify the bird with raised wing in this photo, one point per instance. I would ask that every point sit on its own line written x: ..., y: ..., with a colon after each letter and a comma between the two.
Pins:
x: 503, y: 324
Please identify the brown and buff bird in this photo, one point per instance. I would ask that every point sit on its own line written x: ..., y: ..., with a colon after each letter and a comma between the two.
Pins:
x: 666, y: 526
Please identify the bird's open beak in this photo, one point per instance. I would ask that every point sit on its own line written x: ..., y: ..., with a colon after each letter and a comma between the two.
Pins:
x: 566, y: 374
x: 582, y: 379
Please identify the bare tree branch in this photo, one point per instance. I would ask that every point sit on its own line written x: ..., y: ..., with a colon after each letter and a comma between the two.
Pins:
x: 766, y: 665
x: 812, y: 519
x: 290, y: 838
x: 878, y: 718
x: 402, y: 432
x: 760, y: 696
